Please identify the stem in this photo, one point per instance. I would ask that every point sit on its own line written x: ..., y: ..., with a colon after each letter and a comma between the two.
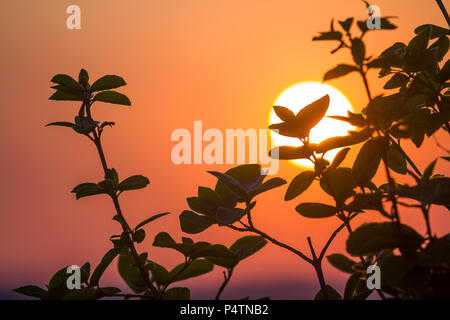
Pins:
x: 408, y: 159
x: 426, y: 215
x: 125, y: 227
x: 444, y: 11
x: 366, y: 83
x: 227, y: 276
x: 392, y: 185
x: 317, y: 264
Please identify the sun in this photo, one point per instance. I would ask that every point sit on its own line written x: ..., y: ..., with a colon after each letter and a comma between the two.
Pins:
x: 300, y: 95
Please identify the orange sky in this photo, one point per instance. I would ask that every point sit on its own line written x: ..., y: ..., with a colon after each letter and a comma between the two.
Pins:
x: 222, y: 62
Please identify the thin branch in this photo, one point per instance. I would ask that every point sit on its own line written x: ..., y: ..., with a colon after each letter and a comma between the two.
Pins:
x: 227, y: 276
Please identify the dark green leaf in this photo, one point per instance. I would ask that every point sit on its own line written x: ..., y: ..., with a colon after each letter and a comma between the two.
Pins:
x: 436, y: 31
x: 139, y: 235
x: 358, y: 51
x: 100, y: 269
x: 266, y: 186
x: 374, y: 237
x: 246, y: 246
x: 195, y: 269
x: 87, y: 293
x: 60, y: 95
x: 369, y: 157
x: 299, y: 184
x: 133, y: 183
x: 68, y: 82
x: 234, y: 185
x: 350, y: 286
x: 193, y: 223
x: 131, y: 274
x: 159, y: 274
x: 226, y: 216
x: 31, y: 291
x: 397, y: 80
x: 112, y: 97
x: 339, y: 71
x: 152, y: 218
x: 107, y: 82
x: 315, y: 210
x: 332, y: 294
x: 87, y: 189
x: 341, y: 262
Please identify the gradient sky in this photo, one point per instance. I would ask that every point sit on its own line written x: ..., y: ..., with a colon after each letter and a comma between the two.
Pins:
x: 222, y: 62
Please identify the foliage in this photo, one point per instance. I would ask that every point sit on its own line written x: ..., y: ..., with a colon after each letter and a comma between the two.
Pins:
x: 413, y: 265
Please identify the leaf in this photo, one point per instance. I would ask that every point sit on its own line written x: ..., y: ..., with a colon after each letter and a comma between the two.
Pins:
x: 428, y: 171
x: 374, y: 237
x: 107, y: 82
x: 354, y: 137
x: 87, y: 189
x: 369, y: 157
x: 68, y: 82
x: 177, y: 294
x: 358, y: 51
x: 64, y: 96
x: 248, y: 245
x: 195, y: 269
x: 341, y: 262
x: 112, y: 97
x: 310, y: 115
x: 290, y: 152
x: 339, y: 71
x: 159, y: 274
x: 130, y: 273
x: 397, y: 80
x: 103, y: 265
x: 152, y: 218
x: 419, y: 43
x: 164, y: 240
x: 83, y: 78
x: 31, y: 291
x: 315, y: 210
x: 87, y: 293
x: 299, y: 184
x: 331, y: 35
x: 340, y: 156
x: 139, y: 235
x: 346, y: 25
x: 396, y: 161
x: 133, y: 183
x: 193, y: 223
x: 443, y: 44
x: 226, y: 216
x: 436, y: 31
x: 61, y: 124
x: 234, y: 185
x: 350, y: 286
x: 338, y: 182
x: 266, y: 186
x: 332, y: 294
x: 284, y: 113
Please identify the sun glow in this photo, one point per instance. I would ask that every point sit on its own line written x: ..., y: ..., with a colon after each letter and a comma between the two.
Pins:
x: 300, y: 95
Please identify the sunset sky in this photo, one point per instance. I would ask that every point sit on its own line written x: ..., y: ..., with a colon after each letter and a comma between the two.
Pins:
x: 220, y: 61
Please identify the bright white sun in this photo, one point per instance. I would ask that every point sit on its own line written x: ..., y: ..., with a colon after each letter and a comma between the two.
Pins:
x: 300, y: 95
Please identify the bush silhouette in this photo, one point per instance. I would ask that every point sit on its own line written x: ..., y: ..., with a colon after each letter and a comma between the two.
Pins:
x: 413, y: 265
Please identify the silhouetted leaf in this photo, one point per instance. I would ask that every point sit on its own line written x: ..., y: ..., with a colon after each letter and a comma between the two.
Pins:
x: 193, y: 223
x: 112, y: 97
x: 290, y: 152
x: 310, y: 115
x: 152, y: 218
x: 299, y: 184
x: 87, y: 293
x: 100, y: 269
x: 373, y: 237
x: 107, y: 82
x: 368, y: 160
x: 234, y: 185
x: 429, y: 170
x: 83, y: 78
x: 358, y: 51
x: 341, y: 262
x: 31, y: 291
x: 226, y: 216
x: 177, y: 294
x: 397, y: 80
x: 133, y: 183
x: 266, y: 186
x: 443, y: 44
x: 139, y: 235
x: 61, y: 124
x: 248, y: 245
x: 87, y: 189
x: 332, y: 294
x: 315, y: 210
x: 284, y: 113
x: 68, y: 82
x: 436, y: 31
x: 396, y: 161
x: 338, y: 182
x: 195, y: 269
x: 354, y: 137
x: 64, y: 96
x: 339, y: 71
x: 346, y: 24
x: 130, y: 273
x: 350, y: 286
